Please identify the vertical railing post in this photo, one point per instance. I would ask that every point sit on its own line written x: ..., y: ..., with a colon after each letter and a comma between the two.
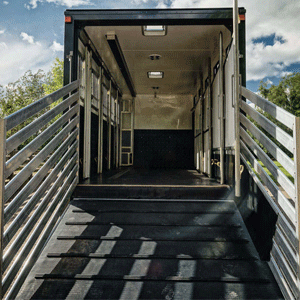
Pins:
x: 120, y: 131
x: 236, y: 93
x: 78, y: 139
x: 2, y: 188
x: 117, y: 131
x: 210, y: 104
x: 109, y: 126
x: 202, y: 134
x: 296, y: 135
x: 221, y: 112
x: 87, y: 117
x: 100, y: 125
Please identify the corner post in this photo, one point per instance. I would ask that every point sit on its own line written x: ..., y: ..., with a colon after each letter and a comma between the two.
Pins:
x: 100, y: 125
x: 87, y: 116
x: 2, y: 188
x: 236, y: 93
x: 109, y: 126
x: 221, y: 112
x: 296, y: 135
x: 210, y: 117
x: 117, y: 131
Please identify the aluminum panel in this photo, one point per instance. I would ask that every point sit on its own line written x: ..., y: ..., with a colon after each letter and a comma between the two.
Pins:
x: 229, y: 109
x: 215, y: 113
x: 163, y: 112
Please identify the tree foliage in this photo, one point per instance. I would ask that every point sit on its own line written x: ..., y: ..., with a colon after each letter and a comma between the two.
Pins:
x: 286, y: 94
x: 21, y: 93
x: 29, y: 88
x: 54, y: 78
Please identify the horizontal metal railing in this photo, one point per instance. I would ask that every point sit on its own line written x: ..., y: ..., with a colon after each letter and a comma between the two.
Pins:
x: 260, y: 135
x: 38, y: 174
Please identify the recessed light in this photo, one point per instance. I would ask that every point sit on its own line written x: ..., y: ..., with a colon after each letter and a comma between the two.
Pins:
x: 154, y: 30
x: 155, y: 74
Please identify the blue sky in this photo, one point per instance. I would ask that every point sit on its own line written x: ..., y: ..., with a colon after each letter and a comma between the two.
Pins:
x: 32, y: 33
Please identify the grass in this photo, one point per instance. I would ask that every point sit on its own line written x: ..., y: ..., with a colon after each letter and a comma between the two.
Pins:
x: 283, y: 170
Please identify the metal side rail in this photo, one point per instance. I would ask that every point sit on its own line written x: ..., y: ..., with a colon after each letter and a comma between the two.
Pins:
x: 38, y: 174
x: 270, y: 151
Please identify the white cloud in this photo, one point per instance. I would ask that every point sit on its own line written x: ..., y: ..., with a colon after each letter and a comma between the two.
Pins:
x: 263, y: 18
x: 27, y: 38
x: 139, y: 2
x: 3, y: 45
x: 57, y: 47
x: 33, y: 4
x: 269, y: 81
x: 69, y: 3
x: 5, y: 2
x: 2, y: 31
x: 162, y: 4
x: 17, y: 55
x: 283, y: 74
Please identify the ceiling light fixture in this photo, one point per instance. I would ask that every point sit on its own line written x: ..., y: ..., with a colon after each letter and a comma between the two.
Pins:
x: 154, y: 30
x: 155, y: 74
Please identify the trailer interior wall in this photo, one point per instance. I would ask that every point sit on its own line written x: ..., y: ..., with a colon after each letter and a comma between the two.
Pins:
x: 163, y: 135
x: 101, y: 96
x: 208, y: 99
x: 163, y: 118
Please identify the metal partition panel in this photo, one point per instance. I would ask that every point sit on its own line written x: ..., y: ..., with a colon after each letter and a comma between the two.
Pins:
x: 41, y: 171
x: 206, y: 132
x: 215, y: 118
x: 198, y: 135
x: 229, y: 107
x: 127, y: 130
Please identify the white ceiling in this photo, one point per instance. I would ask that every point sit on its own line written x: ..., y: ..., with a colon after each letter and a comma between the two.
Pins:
x: 184, y: 53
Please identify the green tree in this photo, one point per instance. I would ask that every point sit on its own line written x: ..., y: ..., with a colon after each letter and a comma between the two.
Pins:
x: 286, y: 94
x: 29, y: 88
x: 54, y: 78
x: 21, y: 93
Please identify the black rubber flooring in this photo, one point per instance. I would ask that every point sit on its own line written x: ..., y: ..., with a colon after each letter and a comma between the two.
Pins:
x: 134, y: 176
x: 152, y: 184
x: 150, y: 249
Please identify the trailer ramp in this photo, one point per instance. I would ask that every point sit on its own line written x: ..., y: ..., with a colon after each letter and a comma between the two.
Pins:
x: 122, y: 248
